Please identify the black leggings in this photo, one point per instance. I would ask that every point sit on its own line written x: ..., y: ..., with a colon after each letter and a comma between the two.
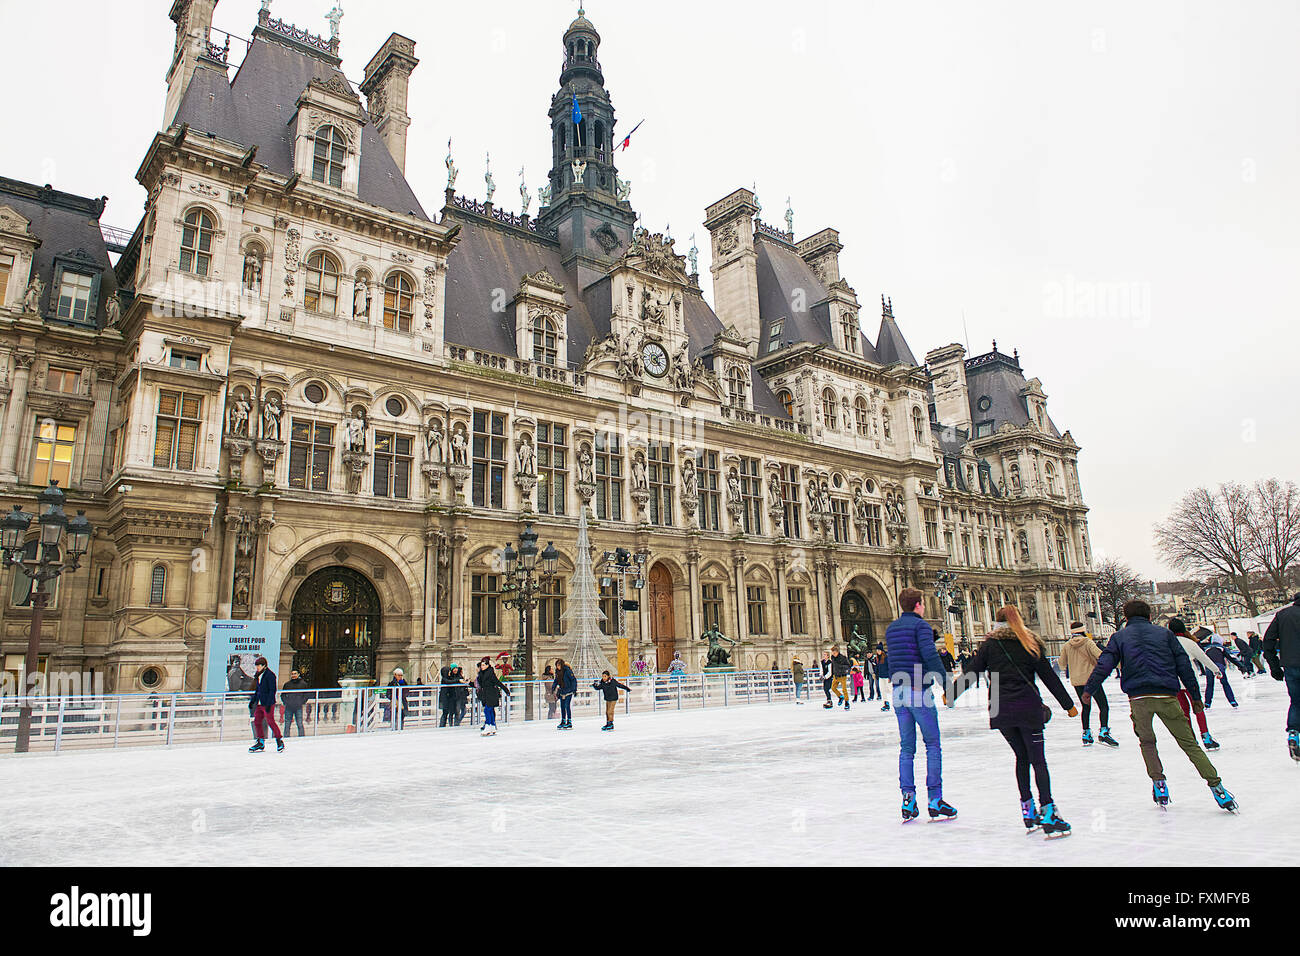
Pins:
x: 1103, y: 707
x: 1027, y: 742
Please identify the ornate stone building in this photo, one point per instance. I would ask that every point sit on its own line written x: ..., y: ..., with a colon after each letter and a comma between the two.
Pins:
x: 299, y: 396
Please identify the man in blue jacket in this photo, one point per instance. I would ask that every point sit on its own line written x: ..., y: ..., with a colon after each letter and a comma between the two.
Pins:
x: 913, y: 663
x: 1282, y: 650
x: 1153, y: 664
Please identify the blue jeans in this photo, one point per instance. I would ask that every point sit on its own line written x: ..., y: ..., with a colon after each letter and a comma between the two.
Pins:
x: 798, y: 690
x: 489, y: 716
x: 1209, y: 688
x: 909, y: 718
x: 1293, y: 688
x: 566, y: 708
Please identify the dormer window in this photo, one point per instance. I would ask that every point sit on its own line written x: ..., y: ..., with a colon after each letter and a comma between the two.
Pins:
x: 330, y: 157
x: 196, y: 243
x: 849, y: 329
x: 185, y: 360
x: 546, y: 349
x: 74, y: 296
x: 738, y: 387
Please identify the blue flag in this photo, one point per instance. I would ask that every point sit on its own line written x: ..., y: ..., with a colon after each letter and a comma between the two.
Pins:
x: 577, y: 112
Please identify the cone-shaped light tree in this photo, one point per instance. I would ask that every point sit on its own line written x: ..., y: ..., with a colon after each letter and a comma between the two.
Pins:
x: 583, y: 617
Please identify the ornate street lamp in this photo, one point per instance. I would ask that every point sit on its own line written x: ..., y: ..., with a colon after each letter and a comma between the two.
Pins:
x: 50, y: 557
x: 522, y: 592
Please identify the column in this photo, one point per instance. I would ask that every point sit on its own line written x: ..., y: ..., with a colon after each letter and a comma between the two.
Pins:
x: 694, y: 600
x: 782, y: 631
x: 262, y: 609
x: 456, y: 577
x: 226, y: 593
x: 832, y: 600
x: 16, y: 416
x: 738, y: 566
x: 431, y: 538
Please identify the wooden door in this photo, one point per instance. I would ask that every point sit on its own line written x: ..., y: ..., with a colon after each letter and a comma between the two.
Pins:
x: 663, y: 628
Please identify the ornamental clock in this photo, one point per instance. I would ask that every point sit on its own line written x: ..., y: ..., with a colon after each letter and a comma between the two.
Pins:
x: 656, y: 359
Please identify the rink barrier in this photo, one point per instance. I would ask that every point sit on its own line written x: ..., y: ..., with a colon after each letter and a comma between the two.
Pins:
x: 72, y: 723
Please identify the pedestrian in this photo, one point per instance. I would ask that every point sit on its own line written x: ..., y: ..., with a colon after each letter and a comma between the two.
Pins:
x: 401, y: 705
x: 609, y: 688
x: 446, y: 697
x: 460, y: 693
x: 840, y: 667
x: 548, y: 684
x: 1179, y: 630
x: 1282, y: 651
x: 566, y: 686
x: 294, y: 696
x: 489, y: 689
x: 824, y: 669
x: 1016, y: 656
x: 797, y: 672
x: 1077, y: 661
x: 941, y: 647
x: 880, y: 668
x: 1153, y: 664
x: 858, y: 694
x: 264, y: 708
x: 914, y: 667
x: 1216, y: 651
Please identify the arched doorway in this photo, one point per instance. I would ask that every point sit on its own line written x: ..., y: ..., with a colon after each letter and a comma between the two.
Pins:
x: 663, y: 627
x: 335, y: 624
x: 856, y: 612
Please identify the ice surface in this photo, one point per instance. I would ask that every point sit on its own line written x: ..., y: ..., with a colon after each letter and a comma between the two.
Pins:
x: 779, y: 784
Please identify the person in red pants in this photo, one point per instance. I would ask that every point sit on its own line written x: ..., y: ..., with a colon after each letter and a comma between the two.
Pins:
x: 264, y: 708
x: 1198, y: 656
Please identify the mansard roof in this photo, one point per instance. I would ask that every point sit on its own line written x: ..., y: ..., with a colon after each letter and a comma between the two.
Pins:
x: 257, y: 109
x: 999, y: 378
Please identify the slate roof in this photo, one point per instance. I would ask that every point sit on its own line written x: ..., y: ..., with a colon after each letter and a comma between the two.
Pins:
x: 257, y: 108
x: 891, y: 347
x: 68, y: 226
x: 999, y: 378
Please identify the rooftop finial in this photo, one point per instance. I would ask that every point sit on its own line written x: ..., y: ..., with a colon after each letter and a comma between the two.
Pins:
x: 995, y: 346
x: 887, y: 307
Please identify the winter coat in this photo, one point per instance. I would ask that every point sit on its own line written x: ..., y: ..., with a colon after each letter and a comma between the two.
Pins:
x: 1282, y: 639
x: 911, y: 656
x: 489, y: 688
x: 826, y: 671
x: 1153, y: 662
x: 1218, y: 654
x: 1078, y: 658
x: 295, y: 694
x: 1196, y: 654
x: 566, y: 683
x: 1018, y: 703
x: 401, y: 683
x: 446, y: 692
x: 610, y: 689
x: 840, y: 666
x: 1243, y: 646
x: 264, y: 690
x: 857, y: 680
x: 796, y: 670
x: 946, y: 660
x: 1256, y: 645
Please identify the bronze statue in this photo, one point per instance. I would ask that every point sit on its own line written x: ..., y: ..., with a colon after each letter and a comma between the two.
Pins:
x: 719, y: 656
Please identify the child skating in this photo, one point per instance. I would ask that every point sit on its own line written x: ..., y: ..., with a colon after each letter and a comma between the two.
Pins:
x: 610, y: 688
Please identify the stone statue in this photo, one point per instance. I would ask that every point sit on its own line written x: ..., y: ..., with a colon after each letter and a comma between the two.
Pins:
x: 789, y: 216
x: 579, y: 171
x: 452, y: 171
x: 623, y: 188
x: 860, y: 507
x: 271, y: 414
x: 252, y: 272
x: 524, y: 194
x: 775, y: 497
x: 894, y: 504
x: 335, y: 17
x: 361, y: 299
x: 32, y: 298
x: 734, y: 495
x: 459, y: 448
x: 354, y: 432
x: 640, y: 476
x: 491, y: 183
x: 719, y: 656
x: 526, y: 457
x: 433, y: 442
x: 243, y: 582
x: 693, y: 257
x: 113, y: 311
x: 543, y: 196
x: 586, y: 470
x: 683, y: 371
x: 1024, y: 547
x: 690, y: 484
x: 814, y: 500
x: 237, y: 417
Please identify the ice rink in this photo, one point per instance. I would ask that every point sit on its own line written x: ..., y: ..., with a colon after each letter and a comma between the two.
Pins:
x: 765, y: 784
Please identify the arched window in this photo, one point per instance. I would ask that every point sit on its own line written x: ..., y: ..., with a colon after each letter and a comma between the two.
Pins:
x: 849, y: 329
x: 787, y: 402
x: 600, y: 141
x: 1050, y: 470
x: 546, y: 349
x: 863, y: 417
x: 830, y: 409
x: 322, y: 294
x: 736, y: 385
x: 23, y: 587
x: 331, y: 155
x: 1060, y: 549
x: 196, y: 243
x: 886, y: 424
x: 158, y: 586
x: 918, y: 425
x: 399, y: 303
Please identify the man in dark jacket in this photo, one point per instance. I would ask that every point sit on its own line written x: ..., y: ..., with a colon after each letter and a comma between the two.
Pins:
x: 294, y: 695
x: 840, y: 667
x: 913, y: 664
x: 1153, y: 664
x: 264, y: 708
x: 1215, y: 651
x: 398, y: 684
x: 1282, y: 651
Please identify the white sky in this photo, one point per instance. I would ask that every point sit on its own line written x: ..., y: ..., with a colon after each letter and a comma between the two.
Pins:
x: 1109, y: 187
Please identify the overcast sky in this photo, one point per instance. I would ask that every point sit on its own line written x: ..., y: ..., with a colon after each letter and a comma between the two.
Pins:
x: 1109, y: 187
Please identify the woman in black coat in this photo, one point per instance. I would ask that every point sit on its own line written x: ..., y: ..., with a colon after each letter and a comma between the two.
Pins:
x: 1012, y: 656
x: 490, y: 690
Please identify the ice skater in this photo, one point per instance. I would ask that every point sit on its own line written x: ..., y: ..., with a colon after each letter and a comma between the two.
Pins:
x: 610, y: 688
x: 858, y: 695
x: 825, y: 672
x: 914, y: 666
x: 490, y: 689
x: 1216, y: 652
x: 1153, y: 664
x: 264, y: 708
x: 1077, y: 660
x: 1013, y: 656
x: 797, y: 674
x: 840, y: 667
x: 294, y: 697
x: 566, y: 686
x: 880, y: 668
x: 1282, y: 651
x: 1179, y: 630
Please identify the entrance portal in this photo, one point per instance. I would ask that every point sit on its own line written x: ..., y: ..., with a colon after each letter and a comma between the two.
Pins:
x: 855, y: 612
x: 334, y: 631
x: 663, y: 628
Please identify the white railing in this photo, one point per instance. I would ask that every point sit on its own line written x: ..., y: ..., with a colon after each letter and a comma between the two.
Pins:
x: 165, y: 720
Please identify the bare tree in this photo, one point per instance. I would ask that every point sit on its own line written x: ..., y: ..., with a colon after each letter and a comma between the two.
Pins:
x: 1209, y: 534
x: 1117, y: 583
x: 1275, y: 530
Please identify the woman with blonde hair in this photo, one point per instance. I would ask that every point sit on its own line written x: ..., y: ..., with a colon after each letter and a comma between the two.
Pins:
x: 1012, y: 656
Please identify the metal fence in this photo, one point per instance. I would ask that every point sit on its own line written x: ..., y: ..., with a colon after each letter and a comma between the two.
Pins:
x: 91, y: 723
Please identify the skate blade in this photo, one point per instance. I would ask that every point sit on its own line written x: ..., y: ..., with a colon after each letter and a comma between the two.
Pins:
x: 1057, y: 836
x: 943, y: 819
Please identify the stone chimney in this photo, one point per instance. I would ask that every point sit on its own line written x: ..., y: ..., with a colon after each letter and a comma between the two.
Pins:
x: 948, y: 380
x: 735, y: 264
x: 387, y: 86
x: 193, y: 19
x: 822, y: 252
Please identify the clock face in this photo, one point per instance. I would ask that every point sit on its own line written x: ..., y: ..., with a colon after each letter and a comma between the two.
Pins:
x: 656, y: 359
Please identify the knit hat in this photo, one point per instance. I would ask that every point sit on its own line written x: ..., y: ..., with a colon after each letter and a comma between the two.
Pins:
x: 1077, y: 628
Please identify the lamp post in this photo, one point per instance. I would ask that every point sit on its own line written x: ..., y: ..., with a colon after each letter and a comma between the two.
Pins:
x: 522, y: 592
x: 945, y: 587
x: 1087, y: 592
x: 619, y: 565
x: 50, y: 557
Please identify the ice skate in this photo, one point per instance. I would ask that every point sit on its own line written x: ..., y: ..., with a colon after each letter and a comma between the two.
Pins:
x: 941, y: 811
x: 608, y: 727
x: 1293, y: 744
x: 1160, y: 793
x: 1224, y: 799
x: 1208, y: 742
x: 1104, y: 737
x: 279, y: 746
x: 1029, y: 813
x: 828, y: 706
x: 257, y: 748
x: 910, y: 809
x: 1087, y: 738
x: 1053, y: 826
